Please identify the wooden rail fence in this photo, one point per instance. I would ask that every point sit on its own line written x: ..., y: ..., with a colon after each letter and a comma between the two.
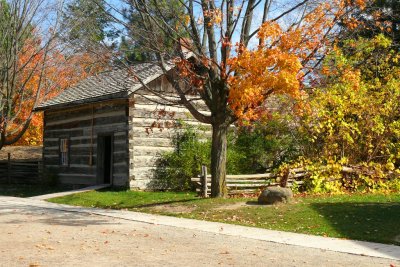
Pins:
x: 20, y: 171
x: 246, y: 183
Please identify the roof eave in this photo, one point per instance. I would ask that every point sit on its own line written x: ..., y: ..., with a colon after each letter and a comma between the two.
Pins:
x: 114, y: 96
x: 124, y: 94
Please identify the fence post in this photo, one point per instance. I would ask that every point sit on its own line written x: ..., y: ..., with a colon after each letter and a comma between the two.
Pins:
x: 9, y: 168
x: 204, y: 188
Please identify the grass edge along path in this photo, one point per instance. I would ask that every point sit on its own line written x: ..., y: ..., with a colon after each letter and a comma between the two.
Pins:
x: 366, y: 217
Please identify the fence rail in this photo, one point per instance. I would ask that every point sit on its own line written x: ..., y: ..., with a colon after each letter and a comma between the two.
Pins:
x: 245, y: 183
x: 20, y: 171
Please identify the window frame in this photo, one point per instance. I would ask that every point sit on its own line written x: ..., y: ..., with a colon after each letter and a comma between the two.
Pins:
x: 64, y: 151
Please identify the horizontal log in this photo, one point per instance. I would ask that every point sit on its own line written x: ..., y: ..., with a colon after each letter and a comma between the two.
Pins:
x: 24, y: 173
x: 22, y: 169
x: 237, y: 180
x: 152, y: 110
x: 86, y: 130
x: 162, y: 112
x: 297, y: 175
x: 120, y: 180
x: 121, y: 157
x: 79, y: 159
x: 208, y: 191
x: 152, y: 141
x: 120, y: 174
x: 144, y: 161
x: 144, y: 132
x: 140, y: 184
x: 76, y: 175
x: 151, y: 151
x: 96, y: 123
x: 243, y: 185
x: 98, y: 108
x: 78, y: 181
x: 87, y: 117
x: 58, y: 133
x: 21, y: 161
x: 247, y: 185
x: 242, y: 191
x: 86, y: 139
x: 25, y: 176
x: 248, y: 176
x: 50, y: 148
x: 17, y: 164
x: 148, y: 122
x: 144, y: 98
x: 21, y: 166
x: 298, y: 170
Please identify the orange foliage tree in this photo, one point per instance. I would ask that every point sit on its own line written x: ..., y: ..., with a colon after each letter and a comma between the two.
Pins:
x: 61, y: 72
x: 31, y: 67
x: 233, y: 65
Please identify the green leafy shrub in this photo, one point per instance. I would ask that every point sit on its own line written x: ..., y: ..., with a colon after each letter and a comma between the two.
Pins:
x: 266, y: 145
x: 174, y: 169
x: 252, y: 149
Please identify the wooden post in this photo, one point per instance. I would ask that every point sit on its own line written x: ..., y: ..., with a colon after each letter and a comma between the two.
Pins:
x: 204, y: 188
x: 8, y: 168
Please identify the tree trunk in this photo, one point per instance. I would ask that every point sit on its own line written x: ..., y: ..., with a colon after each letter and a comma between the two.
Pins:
x: 218, y: 160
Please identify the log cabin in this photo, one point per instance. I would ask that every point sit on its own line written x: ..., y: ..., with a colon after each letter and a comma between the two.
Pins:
x: 101, y: 131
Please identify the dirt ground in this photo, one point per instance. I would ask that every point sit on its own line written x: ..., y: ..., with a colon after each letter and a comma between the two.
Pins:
x: 33, y: 236
x: 21, y: 152
x: 186, y: 209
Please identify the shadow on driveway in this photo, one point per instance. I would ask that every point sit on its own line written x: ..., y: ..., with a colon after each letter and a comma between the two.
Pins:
x: 52, y: 216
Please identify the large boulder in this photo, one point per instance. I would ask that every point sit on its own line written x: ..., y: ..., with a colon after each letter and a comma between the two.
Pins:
x: 273, y: 195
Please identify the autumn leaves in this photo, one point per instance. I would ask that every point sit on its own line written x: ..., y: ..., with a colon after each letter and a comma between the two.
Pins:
x: 284, y: 56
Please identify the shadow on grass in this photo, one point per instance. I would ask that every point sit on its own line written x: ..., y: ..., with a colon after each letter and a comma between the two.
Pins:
x: 254, y: 203
x: 161, y: 203
x: 112, y: 189
x: 369, y: 221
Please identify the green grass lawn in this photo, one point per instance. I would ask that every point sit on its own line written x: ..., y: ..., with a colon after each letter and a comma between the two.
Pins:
x: 23, y: 190
x: 362, y: 217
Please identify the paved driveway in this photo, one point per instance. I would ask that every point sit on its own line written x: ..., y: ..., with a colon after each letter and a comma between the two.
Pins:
x: 36, y: 235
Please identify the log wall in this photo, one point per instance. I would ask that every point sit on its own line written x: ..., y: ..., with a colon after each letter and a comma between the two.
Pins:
x: 20, y: 171
x: 82, y: 125
x: 138, y: 141
x: 147, y: 143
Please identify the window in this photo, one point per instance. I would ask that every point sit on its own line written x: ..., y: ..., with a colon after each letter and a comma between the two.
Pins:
x: 64, y: 151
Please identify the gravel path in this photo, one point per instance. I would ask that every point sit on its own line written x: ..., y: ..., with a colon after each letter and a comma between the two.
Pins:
x: 37, y: 236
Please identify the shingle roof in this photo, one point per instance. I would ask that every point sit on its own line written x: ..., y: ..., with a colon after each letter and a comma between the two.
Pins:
x: 117, y: 83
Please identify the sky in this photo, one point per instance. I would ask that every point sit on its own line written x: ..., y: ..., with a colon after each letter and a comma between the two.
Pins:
x: 48, y: 9
x: 276, y: 9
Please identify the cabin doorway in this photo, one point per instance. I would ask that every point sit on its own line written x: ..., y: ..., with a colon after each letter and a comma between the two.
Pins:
x: 104, y: 159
